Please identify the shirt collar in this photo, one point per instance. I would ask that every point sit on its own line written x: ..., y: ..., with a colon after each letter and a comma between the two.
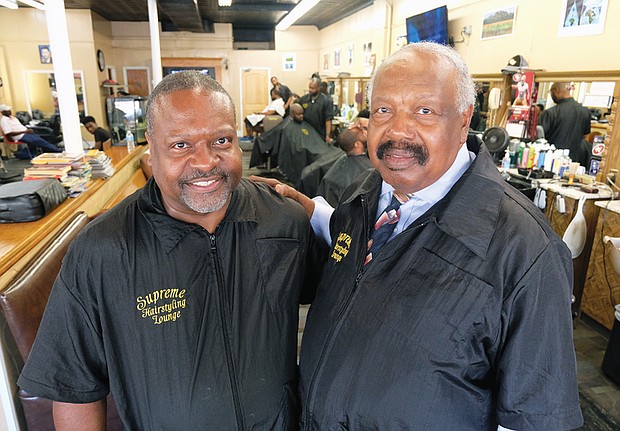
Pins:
x: 171, y: 231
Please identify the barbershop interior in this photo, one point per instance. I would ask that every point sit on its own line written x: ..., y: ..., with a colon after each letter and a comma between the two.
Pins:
x: 69, y: 69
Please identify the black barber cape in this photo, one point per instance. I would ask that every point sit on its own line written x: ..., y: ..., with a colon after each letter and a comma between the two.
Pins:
x: 340, y: 175
x: 187, y: 330
x: 295, y: 145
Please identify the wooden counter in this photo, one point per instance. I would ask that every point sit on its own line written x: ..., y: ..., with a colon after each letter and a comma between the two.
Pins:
x: 560, y: 222
x: 20, y: 241
x: 602, y: 280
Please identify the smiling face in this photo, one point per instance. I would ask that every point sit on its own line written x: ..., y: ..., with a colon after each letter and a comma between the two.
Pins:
x: 415, y: 128
x: 195, y: 156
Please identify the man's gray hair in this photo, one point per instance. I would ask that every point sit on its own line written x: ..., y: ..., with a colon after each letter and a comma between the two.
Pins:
x: 186, y: 80
x: 465, y: 88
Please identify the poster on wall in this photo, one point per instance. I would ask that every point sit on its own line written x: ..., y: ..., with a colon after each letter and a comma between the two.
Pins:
x: 498, y: 23
x: 45, y: 54
x: 582, y: 17
x: 325, y: 61
x: 337, y: 58
x: 350, y: 52
x: 289, y: 62
x: 367, y: 53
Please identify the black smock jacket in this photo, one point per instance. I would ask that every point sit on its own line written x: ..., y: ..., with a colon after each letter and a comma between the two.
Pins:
x: 460, y: 322
x: 317, y: 111
x: 565, y: 126
x: 188, y: 330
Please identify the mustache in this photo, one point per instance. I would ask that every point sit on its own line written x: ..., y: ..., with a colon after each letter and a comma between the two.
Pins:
x: 417, y: 151
x: 198, y: 173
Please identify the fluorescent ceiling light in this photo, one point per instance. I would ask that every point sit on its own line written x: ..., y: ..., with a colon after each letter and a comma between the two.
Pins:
x: 300, y: 10
x: 8, y: 3
x: 33, y: 3
x: 224, y: 2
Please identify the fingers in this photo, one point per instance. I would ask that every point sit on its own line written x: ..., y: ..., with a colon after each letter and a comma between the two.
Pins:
x: 272, y: 182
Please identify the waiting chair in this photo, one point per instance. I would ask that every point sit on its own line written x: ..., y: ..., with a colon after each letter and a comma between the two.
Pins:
x: 23, y: 303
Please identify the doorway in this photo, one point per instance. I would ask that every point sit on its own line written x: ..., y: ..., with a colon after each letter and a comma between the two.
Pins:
x: 137, y: 80
x: 254, y: 90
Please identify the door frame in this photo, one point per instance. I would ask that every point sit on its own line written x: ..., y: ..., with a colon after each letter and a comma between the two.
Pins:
x: 241, y: 89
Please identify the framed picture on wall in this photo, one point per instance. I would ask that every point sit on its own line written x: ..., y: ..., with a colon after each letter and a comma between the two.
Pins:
x: 337, y: 58
x: 498, y: 23
x: 289, y: 62
x: 45, y: 54
x: 582, y: 17
x: 325, y: 61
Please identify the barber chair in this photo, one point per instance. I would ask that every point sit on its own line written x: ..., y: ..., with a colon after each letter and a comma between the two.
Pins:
x: 23, y: 117
x: 37, y: 114
x: 271, y: 121
x: 50, y: 129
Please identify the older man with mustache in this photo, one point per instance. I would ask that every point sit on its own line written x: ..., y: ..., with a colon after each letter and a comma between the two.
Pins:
x: 445, y: 301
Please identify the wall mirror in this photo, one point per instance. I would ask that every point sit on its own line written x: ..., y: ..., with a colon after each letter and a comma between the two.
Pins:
x: 596, y: 95
x: 41, y: 92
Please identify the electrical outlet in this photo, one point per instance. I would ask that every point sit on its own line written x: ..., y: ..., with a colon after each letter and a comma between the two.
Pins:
x: 467, y: 30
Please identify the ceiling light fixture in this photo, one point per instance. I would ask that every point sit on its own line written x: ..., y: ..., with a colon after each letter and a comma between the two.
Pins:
x: 300, y: 10
x: 33, y: 3
x: 8, y: 3
x: 224, y: 2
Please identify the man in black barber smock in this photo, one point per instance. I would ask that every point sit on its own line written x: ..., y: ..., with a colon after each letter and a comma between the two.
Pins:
x: 182, y: 301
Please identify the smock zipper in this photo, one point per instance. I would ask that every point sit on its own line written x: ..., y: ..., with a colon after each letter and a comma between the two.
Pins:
x: 234, y: 384
x: 338, y: 318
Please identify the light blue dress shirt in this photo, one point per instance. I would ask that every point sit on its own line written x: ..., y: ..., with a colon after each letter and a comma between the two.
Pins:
x: 410, y: 210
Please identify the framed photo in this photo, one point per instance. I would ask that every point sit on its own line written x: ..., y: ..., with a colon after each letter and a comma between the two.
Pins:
x: 350, y: 52
x: 45, y: 54
x: 498, y: 23
x: 337, y: 58
x: 289, y: 62
x: 582, y: 17
x: 325, y: 61
x: 367, y: 53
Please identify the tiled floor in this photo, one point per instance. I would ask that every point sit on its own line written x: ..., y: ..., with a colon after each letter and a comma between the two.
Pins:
x: 600, y: 396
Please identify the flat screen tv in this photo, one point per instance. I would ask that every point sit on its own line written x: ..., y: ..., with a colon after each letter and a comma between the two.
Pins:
x: 431, y: 25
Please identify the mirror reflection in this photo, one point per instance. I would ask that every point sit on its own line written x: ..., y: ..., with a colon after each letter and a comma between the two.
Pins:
x: 42, y: 99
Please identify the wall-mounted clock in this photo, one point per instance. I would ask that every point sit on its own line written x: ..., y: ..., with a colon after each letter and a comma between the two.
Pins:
x: 100, y: 60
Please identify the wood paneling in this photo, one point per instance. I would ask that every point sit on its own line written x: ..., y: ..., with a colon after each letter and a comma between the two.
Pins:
x: 602, y: 279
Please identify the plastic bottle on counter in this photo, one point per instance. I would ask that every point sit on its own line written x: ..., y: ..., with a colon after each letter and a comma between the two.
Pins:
x: 549, y: 158
x: 131, y: 143
x: 531, y: 157
x: 520, y: 158
x: 525, y: 157
x: 542, y: 155
x: 506, y: 160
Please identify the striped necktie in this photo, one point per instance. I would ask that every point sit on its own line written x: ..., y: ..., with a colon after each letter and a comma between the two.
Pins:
x: 384, y: 226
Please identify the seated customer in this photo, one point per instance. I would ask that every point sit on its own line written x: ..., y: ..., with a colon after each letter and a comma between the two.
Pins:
x: 294, y: 143
x: 14, y: 131
x: 347, y: 168
x: 276, y: 107
x: 103, y: 139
